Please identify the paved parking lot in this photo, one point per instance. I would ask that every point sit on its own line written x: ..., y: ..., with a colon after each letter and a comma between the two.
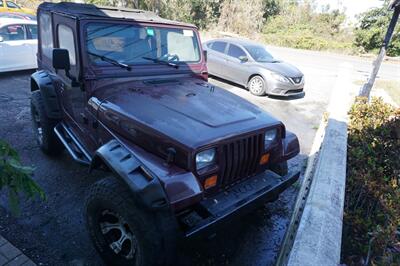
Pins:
x: 52, y: 232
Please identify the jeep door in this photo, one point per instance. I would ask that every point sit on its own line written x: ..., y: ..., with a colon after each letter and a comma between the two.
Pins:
x: 236, y: 68
x: 73, y: 96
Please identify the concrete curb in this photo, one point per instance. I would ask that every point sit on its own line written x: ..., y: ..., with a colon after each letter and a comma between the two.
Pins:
x: 11, y: 256
x: 318, y: 237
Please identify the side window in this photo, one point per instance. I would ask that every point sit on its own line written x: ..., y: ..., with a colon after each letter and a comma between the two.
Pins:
x: 12, y: 5
x: 14, y: 32
x: 235, y: 51
x: 209, y: 45
x: 219, y: 46
x: 46, y: 35
x: 1, y: 3
x: 66, y: 41
x: 32, y: 29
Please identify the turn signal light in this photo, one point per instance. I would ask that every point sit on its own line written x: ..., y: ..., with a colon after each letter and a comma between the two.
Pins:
x: 264, y: 159
x: 210, y: 182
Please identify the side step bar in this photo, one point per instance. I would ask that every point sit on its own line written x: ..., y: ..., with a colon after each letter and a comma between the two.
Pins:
x: 75, y: 149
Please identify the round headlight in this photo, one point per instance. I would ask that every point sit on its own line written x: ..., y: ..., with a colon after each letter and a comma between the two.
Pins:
x: 270, y: 136
x: 205, y: 158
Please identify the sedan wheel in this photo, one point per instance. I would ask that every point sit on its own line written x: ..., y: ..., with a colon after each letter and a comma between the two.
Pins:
x: 256, y: 86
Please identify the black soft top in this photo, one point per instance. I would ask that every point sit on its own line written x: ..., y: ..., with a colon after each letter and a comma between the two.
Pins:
x: 89, y: 11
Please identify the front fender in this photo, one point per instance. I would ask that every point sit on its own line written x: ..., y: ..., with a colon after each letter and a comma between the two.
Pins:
x: 42, y: 81
x: 145, y: 187
x: 291, y: 146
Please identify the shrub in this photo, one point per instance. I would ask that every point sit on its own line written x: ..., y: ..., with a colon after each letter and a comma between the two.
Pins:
x: 372, y: 204
x: 372, y: 29
x: 16, y: 177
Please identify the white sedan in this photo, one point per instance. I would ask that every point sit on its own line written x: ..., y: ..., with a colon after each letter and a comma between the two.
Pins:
x: 18, y: 44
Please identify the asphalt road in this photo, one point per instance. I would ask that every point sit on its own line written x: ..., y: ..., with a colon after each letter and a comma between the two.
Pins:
x: 52, y: 232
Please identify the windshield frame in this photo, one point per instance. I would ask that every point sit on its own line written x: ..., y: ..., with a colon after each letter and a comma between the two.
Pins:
x: 145, y: 64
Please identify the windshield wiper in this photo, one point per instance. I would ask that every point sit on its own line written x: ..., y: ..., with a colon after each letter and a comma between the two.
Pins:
x: 112, y: 61
x: 161, y: 62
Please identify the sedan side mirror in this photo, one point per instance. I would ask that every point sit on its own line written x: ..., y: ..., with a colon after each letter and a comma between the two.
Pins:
x: 243, y: 58
x: 61, y: 59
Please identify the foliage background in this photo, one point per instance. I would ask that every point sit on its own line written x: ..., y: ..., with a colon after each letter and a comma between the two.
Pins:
x: 372, y: 204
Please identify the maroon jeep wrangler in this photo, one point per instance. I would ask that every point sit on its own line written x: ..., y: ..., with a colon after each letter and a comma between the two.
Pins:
x: 126, y: 91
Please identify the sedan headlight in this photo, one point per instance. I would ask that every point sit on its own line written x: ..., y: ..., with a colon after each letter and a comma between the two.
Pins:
x: 205, y: 158
x: 270, y: 136
x: 279, y: 77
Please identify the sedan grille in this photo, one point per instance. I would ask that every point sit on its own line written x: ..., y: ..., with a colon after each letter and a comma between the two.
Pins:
x: 240, y: 158
x: 297, y: 80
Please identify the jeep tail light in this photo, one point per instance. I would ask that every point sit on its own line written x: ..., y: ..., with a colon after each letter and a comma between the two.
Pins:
x: 210, y: 182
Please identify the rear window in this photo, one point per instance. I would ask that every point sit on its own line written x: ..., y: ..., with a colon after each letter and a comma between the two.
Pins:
x: 46, y: 35
x: 219, y: 46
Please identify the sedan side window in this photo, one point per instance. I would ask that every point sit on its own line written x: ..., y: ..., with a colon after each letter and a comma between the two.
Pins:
x: 1, y: 3
x: 13, y: 32
x: 32, y: 29
x: 235, y: 51
x: 219, y: 46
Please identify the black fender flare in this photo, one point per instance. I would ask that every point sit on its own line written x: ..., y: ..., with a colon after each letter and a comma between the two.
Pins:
x: 145, y: 186
x: 41, y: 80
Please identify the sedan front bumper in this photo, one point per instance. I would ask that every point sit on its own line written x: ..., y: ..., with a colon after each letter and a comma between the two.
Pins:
x: 237, y: 200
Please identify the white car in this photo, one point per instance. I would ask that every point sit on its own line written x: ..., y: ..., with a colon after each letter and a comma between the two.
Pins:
x: 18, y: 44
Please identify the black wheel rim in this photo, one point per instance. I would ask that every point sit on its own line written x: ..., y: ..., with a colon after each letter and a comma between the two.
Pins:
x: 118, y: 235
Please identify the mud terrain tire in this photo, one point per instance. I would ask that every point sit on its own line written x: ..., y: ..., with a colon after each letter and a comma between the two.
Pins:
x: 110, y: 196
x: 43, y: 127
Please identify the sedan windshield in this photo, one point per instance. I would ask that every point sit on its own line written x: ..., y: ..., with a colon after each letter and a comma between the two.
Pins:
x: 260, y: 54
x: 131, y: 44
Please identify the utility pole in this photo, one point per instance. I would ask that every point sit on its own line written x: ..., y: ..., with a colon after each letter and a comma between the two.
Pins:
x: 366, y: 89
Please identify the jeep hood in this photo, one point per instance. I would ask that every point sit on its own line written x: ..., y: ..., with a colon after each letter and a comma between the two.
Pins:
x: 190, y: 111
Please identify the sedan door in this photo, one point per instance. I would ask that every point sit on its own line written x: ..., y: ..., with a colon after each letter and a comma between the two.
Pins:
x: 15, y: 52
x: 237, y: 69
x: 216, y: 59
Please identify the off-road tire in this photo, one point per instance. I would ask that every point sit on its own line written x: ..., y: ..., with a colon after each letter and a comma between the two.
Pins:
x: 258, y: 92
x: 110, y: 194
x: 280, y: 168
x: 48, y: 141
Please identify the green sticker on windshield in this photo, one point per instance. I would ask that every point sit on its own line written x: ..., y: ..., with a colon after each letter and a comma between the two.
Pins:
x: 150, y: 32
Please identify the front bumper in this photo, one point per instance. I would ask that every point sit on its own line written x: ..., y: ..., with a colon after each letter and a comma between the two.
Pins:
x: 236, y: 200
x: 278, y: 88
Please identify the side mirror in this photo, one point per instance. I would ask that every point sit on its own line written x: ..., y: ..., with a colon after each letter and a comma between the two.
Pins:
x: 1, y: 39
x: 61, y: 59
x: 205, y: 55
x: 243, y: 58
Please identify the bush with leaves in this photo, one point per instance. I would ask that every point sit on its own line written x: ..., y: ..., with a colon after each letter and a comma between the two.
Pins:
x: 301, y: 26
x: 16, y: 178
x: 371, y: 31
x: 372, y: 203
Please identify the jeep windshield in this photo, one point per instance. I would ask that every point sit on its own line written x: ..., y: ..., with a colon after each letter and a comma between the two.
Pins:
x: 137, y: 45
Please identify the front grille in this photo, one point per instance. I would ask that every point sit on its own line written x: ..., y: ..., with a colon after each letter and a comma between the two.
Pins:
x: 297, y: 80
x: 240, y: 158
x: 294, y: 91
